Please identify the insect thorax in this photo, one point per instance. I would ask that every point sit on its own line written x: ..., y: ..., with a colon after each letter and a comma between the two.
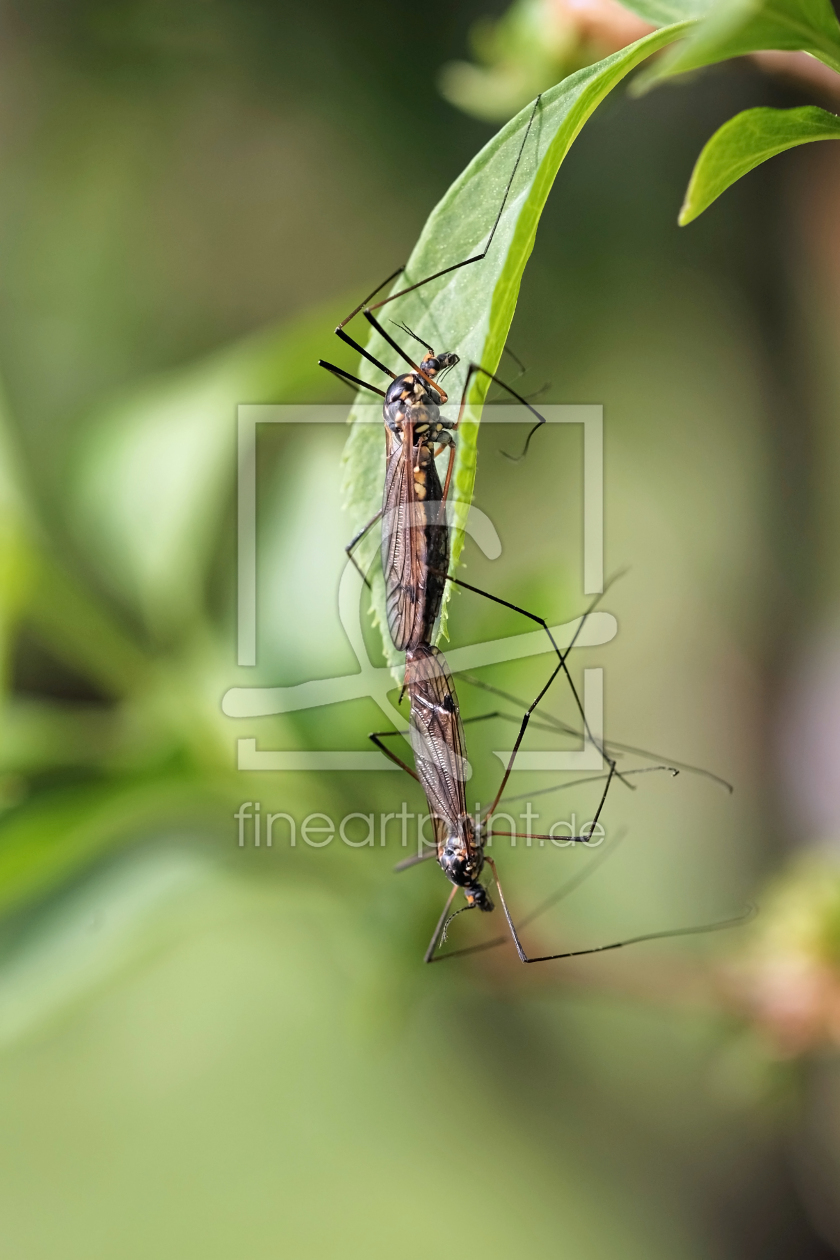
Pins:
x: 460, y: 857
x: 409, y: 401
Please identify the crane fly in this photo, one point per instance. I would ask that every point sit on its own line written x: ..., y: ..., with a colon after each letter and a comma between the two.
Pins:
x: 415, y: 545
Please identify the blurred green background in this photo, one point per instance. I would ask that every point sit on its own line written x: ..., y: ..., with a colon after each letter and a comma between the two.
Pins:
x: 219, y: 1052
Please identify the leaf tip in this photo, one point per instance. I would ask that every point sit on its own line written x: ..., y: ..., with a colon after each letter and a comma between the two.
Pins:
x: 687, y: 213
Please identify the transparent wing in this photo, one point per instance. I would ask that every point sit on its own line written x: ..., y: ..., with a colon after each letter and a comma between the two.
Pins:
x: 437, y: 735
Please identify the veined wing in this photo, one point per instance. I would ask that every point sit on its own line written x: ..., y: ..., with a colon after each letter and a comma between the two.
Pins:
x: 415, y: 546
x: 437, y: 735
x: 401, y: 583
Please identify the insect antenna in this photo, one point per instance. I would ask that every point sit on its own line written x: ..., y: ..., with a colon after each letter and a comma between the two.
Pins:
x: 452, y: 916
x: 405, y: 328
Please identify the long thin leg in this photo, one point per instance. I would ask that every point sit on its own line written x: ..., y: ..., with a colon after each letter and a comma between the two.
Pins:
x: 561, y: 656
x: 592, y: 778
x: 535, y: 835
x: 365, y: 301
x: 376, y: 737
x: 547, y: 722
x: 476, y: 257
x: 363, y: 352
x: 364, y: 305
x: 441, y: 924
x: 541, y: 725
x: 471, y: 371
x: 449, y: 469
x: 374, y: 322
x: 566, y: 889
x: 696, y: 930
x: 348, y: 379
x: 522, y: 368
x: 485, y: 717
x: 414, y: 861
x: 356, y: 539
x: 529, y: 711
x: 623, y: 775
x: 544, y: 722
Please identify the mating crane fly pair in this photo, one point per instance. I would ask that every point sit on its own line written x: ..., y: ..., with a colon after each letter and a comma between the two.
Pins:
x: 415, y: 556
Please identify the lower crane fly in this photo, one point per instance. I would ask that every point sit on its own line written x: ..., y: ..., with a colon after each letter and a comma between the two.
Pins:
x: 461, y: 840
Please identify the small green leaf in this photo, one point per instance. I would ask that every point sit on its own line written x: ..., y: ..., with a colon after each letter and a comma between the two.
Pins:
x: 470, y: 310
x: 746, y: 141
x: 735, y: 28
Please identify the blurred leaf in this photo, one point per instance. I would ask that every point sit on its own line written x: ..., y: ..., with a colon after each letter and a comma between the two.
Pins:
x: 45, y: 841
x: 33, y: 586
x: 471, y: 309
x: 518, y: 55
x: 155, y: 472
x: 16, y: 551
x: 746, y: 141
x: 80, y: 631
x: 735, y: 28
x: 36, y: 734
x: 664, y: 12
x: 102, y: 927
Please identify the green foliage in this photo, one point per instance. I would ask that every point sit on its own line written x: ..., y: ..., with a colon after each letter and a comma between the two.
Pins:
x: 152, y: 480
x: 735, y: 28
x: 126, y: 605
x: 268, y: 1025
x: 155, y: 470
x: 710, y: 31
x: 46, y: 842
x: 746, y: 141
x: 471, y: 309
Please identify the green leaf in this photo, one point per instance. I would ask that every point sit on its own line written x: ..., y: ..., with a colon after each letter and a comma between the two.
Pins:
x: 746, y: 141
x: 735, y: 28
x: 471, y: 309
